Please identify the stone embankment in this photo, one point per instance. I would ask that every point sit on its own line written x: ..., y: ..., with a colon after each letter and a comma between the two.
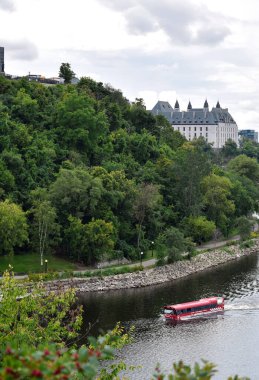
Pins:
x: 156, y: 275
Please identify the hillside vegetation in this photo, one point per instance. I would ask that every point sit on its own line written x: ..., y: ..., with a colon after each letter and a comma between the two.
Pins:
x: 88, y: 176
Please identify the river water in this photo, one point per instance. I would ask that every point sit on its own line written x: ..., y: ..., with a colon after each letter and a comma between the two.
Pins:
x: 230, y: 340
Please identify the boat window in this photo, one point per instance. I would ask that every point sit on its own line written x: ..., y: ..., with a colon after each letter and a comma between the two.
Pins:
x: 168, y: 311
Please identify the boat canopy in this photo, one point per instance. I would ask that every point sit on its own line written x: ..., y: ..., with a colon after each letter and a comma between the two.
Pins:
x: 202, y: 302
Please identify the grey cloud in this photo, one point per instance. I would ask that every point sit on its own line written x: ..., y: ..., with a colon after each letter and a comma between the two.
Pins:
x: 212, y: 36
x: 194, y: 74
x: 140, y: 21
x: 175, y: 17
x: 7, y: 5
x: 21, y: 50
x: 118, y: 5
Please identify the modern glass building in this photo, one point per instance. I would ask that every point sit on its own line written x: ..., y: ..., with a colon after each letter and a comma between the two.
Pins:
x: 250, y: 134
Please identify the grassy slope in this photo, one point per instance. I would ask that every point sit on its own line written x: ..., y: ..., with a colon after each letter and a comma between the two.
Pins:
x: 25, y: 263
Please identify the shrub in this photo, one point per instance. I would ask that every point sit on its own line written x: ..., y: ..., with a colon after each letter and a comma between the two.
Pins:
x: 246, y: 244
x: 174, y: 244
x: 30, y: 317
x: 199, y: 228
x: 254, y: 235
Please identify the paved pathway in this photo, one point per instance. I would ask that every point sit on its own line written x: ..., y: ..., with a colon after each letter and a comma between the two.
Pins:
x: 152, y: 262
x: 210, y: 245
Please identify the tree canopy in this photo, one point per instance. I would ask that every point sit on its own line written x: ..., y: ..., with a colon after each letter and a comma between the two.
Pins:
x: 90, y: 176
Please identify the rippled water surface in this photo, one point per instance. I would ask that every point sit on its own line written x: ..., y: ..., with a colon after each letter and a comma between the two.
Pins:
x: 231, y: 340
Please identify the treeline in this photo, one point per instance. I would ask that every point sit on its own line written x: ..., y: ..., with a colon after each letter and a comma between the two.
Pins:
x: 87, y: 175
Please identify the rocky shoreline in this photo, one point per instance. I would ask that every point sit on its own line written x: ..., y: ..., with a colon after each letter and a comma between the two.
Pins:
x: 156, y: 275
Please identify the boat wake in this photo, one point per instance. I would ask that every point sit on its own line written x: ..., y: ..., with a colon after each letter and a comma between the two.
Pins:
x: 241, y: 306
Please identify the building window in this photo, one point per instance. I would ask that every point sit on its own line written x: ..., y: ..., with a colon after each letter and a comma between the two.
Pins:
x: 195, y: 134
x: 178, y: 129
x: 200, y: 133
x: 195, y: 128
x: 200, y: 128
x: 189, y: 128
x: 206, y: 127
x: 184, y: 128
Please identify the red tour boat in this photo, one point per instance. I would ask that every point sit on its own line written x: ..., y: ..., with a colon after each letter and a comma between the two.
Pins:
x: 188, y: 310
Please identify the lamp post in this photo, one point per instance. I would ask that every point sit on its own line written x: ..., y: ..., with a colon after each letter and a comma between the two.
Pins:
x: 152, y: 247
x: 141, y: 254
x: 46, y: 266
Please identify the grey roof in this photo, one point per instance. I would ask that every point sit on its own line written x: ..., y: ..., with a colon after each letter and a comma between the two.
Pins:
x: 194, y: 115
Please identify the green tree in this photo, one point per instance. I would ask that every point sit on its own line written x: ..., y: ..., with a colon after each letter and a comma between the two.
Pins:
x: 66, y: 72
x: 45, y: 227
x: 147, y: 199
x: 142, y: 119
x: 7, y: 180
x: 99, y: 239
x: 25, y: 108
x: 199, y: 228
x: 230, y: 150
x: 249, y: 148
x: 79, y: 125
x: 184, y: 178
x: 245, y: 166
x: 172, y: 138
x: 217, y: 201
x: 75, y: 192
x: 173, y: 243
x: 244, y: 227
x: 13, y: 227
x: 74, y: 238
x: 244, y: 193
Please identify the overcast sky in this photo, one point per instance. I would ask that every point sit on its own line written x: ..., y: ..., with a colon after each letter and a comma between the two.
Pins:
x: 155, y: 49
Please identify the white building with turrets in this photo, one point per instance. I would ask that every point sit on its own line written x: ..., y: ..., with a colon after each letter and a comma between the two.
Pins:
x: 216, y: 126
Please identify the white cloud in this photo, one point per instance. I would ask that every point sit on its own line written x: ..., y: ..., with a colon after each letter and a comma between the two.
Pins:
x: 192, y: 49
x: 7, y: 5
x: 20, y: 49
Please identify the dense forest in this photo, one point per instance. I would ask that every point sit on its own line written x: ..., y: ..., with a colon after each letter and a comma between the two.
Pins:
x: 87, y: 175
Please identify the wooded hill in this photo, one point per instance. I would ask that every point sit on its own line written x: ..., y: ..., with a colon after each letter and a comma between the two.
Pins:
x: 87, y: 175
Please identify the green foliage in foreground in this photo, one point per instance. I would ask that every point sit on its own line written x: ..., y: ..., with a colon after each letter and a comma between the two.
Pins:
x: 38, y: 331
x: 30, y: 317
x: 84, y: 363
x: 181, y: 371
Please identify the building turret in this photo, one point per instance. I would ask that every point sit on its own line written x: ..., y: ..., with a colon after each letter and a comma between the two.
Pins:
x: 176, y: 106
x: 189, y: 106
x: 218, y: 105
x: 206, y: 105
